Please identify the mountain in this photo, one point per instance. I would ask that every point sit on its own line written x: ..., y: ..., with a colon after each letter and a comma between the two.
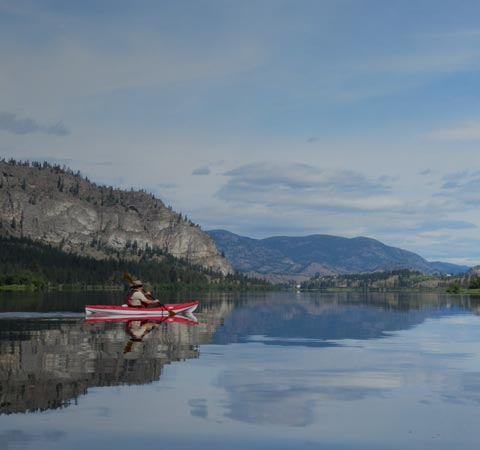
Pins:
x: 304, y: 257
x: 54, y: 205
x: 454, y: 269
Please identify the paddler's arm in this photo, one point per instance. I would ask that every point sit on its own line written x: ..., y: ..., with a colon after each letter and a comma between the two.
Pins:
x: 149, y: 298
x: 149, y: 301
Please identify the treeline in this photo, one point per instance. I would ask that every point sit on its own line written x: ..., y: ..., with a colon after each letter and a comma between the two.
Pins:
x: 465, y: 283
x: 395, y: 279
x: 39, y: 266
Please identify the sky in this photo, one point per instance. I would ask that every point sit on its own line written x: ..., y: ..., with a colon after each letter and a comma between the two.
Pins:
x: 267, y: 117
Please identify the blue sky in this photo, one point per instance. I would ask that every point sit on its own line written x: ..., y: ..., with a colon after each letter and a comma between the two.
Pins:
x: 262, y: 117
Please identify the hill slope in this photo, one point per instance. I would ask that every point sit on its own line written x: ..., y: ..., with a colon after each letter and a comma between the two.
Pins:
x: 27, y: 262
x: 317, y: 254
x: 56, y: 206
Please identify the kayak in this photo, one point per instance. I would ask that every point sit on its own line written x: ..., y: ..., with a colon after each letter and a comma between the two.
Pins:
x: 177, y: 318
x: 164, y: 310
x: 126, y: 310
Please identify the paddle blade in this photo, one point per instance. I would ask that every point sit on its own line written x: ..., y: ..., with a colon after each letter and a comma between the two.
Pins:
x: 128, y: 277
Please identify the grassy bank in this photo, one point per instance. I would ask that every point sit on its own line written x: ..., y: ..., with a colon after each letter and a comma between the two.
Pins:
x: 17, y: 287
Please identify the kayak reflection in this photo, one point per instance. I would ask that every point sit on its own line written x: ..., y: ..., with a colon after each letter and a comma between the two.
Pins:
x: 187, y: 318
x: 141, y: 326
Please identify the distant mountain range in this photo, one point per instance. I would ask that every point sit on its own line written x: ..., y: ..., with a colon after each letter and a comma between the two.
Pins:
x: 281, y: 257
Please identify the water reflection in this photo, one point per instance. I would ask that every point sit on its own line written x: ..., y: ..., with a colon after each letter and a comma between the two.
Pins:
x: 47, y: 363
x: 278, y: 395
x: 20, y: 438
x: 286, y: 384
x: 336, y: 367
x: 324, y: 320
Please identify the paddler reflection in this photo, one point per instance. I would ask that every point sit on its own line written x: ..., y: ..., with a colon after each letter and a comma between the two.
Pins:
x: 137, y: 330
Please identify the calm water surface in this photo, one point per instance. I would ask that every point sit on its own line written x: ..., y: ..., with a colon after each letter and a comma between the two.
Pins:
x: 268, y: 371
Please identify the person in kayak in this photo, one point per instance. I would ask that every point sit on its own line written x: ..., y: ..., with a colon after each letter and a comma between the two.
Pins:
x: 138, y: 298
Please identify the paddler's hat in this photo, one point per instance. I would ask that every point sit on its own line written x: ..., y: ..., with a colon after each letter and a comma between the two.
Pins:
x: 137, y: 283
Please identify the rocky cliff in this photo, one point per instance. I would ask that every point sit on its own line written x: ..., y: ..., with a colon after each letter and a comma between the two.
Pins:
x: 55, y: 205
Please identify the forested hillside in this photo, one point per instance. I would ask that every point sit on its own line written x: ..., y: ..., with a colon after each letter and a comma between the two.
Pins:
x: 29, y: 263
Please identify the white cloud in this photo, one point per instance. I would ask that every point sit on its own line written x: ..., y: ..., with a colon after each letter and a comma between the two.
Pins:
x: 297, y: 186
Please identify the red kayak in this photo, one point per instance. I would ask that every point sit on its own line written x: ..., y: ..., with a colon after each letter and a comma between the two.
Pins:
x: 125, y: 310
x: 97, y: 318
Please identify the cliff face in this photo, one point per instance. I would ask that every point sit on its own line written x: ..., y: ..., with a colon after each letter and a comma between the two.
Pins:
x: 59, y: 207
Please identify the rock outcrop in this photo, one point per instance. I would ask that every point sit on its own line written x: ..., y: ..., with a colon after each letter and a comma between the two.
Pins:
x: 56, y: 206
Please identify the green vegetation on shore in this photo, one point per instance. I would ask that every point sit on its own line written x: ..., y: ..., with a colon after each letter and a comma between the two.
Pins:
x: 468, y: 285
x: 396, y: 280
x: 30, y: 265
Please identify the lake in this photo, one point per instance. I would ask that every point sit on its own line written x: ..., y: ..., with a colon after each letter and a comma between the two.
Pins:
x: 252, y: 371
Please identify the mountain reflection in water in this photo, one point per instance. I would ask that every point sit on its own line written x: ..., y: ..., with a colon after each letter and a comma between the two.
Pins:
x: 47, y: 362
x: 325, y: 320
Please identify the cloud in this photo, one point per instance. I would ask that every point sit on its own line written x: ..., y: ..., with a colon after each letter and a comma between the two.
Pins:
x: 302, y: 185
x: 420, y: 59
x: 461, y: 188
x: 16, y: 125
x: 77, y: 68
x: 435, y: 225
x: 201, y: 171
x: 427, y: 60
x: 425, y: 172
x: 301, y: 176
x: 312, y: 139
x: 438, y: 52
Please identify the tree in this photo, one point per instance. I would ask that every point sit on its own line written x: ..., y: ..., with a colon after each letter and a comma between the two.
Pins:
x: 454, y: 287
x: 474, y: 283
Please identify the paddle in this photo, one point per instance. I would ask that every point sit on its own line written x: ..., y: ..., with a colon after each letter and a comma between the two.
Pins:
x: 131, y: 280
